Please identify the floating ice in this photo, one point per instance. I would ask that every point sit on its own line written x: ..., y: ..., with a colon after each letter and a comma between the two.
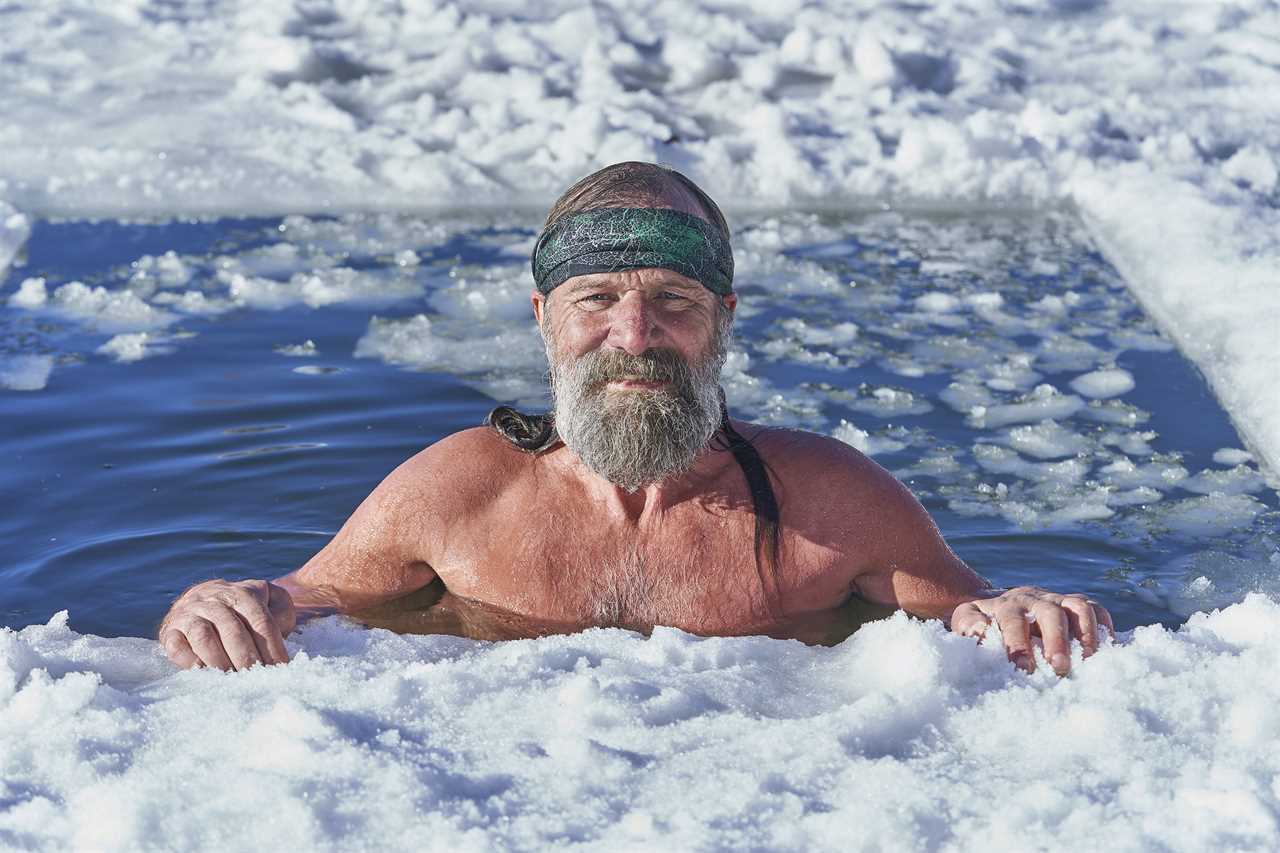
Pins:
x: 14, y: 230
x: 1044, y: 403
x: 31, y: 293
x: 306, y: 349
x: 1045, y: 440
x: 128, y: 347
x: 865, y: 441
x: 1231, y: 456
x: 1100, y: 384
x: 1157, y: 474
x: 25, y: 372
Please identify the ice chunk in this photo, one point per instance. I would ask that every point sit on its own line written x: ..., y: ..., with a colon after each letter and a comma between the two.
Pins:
x: 306, y: 349
x: 1100, y: 384
x: 1231, y: 456
x: 25, y: 372
x: 1045, y: 402
x: 14, y: 230
x: 1045, y: 440
x: 31, y: 294
x: 864, y: 441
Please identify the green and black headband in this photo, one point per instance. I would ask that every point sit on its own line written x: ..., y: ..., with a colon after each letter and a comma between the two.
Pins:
x: 612, y: 239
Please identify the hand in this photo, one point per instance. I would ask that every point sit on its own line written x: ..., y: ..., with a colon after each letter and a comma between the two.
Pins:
x: 228, y: 625
x: 1027, y: 610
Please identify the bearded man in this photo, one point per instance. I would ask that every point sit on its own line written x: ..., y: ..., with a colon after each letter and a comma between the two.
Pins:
x: 639, y: 501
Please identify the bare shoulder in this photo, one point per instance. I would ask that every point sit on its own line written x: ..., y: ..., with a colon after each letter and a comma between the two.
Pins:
x: 808, y: 465
x: 461, y: 471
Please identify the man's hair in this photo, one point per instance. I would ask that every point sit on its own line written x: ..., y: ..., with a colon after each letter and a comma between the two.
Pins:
x: 636, y: 184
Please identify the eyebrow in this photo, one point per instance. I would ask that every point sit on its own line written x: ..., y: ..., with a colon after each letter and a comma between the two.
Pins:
x: 592, y: 283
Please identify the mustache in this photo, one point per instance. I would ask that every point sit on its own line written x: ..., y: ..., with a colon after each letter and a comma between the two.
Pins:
x: 598, y: 368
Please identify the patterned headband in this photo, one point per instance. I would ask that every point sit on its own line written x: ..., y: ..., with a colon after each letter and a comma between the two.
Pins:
x: 611, y: 239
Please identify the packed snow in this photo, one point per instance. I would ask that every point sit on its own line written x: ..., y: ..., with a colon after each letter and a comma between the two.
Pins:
x: 1153, y: 122
x: 902, y: 738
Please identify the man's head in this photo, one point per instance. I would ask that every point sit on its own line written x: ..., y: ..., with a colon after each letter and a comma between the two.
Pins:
x: 635, y: 304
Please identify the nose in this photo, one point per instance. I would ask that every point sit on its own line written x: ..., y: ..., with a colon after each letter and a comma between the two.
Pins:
x: 632, y: 327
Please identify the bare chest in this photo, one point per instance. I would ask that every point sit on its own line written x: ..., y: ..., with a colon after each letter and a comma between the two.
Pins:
x: 695, y: 569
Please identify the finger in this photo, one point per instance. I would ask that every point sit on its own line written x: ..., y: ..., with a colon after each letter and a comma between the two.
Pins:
x: 253, y: 612
x: 280, y: 605
x: 235, y: 637
x: 177, y: 649
x: 205, y: 642
x: 1056, y: 633
x: 1082, y: 621
x: 968, y: 620
x: 1104, y: 618
x: 1016, y: 632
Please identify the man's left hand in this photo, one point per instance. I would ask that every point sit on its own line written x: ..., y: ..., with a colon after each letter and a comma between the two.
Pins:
x: 1027, y: 610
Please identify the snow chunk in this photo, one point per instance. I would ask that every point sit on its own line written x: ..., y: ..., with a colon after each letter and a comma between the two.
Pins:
x: 15, y: 228
x: 31, y: 294
x: 1100, y: 384
x: 25, y: 372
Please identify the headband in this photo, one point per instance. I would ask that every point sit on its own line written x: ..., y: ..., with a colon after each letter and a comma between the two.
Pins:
x: 611, y: 239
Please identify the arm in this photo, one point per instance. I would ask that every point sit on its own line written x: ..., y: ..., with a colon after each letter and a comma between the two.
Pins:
x: 378, y: 555
x: 897, y: 557
x: 917, y: 571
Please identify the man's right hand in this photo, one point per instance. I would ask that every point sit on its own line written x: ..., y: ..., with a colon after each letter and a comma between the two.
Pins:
x: 228, y: 625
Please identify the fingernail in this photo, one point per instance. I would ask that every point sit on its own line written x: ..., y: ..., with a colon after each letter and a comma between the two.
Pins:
x: 1061, y: 663
x: 1023, y: 661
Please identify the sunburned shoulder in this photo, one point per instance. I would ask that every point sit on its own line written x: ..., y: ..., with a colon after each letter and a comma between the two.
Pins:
x: 465, y: 469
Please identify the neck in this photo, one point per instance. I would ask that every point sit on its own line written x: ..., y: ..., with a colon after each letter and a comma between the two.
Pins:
x: 652, y: 498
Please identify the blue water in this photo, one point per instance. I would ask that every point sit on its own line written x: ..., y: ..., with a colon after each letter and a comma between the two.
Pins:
x: 124, y: 483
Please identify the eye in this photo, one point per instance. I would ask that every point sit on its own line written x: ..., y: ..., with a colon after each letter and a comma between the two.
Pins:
x: 670, y: 294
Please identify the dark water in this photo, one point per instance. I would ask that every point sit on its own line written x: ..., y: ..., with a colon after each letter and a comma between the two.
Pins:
x: 123, y: 483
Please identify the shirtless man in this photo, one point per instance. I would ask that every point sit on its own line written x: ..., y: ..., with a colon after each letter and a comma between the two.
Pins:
x: 639, y: 502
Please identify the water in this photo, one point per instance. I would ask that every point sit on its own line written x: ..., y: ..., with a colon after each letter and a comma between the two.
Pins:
x: 235, y: 448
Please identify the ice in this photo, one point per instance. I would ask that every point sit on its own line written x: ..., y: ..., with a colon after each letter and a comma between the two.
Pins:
x: 1100, y: 384
x: 618, y: 740
x: 1043, y: 403
x: 127, y: 347
x: 1045, y: 440
x: 25, y: 372
x: 306, y: 349
x: 1158, y: 474
x: 14, y: 230
x: 1155, y: 122
x: 1155, y: 131
x: 1231, y: 456
x: 865, y: 441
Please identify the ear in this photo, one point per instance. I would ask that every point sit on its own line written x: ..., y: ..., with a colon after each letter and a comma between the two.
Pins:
x: 730, y: 301
x: 539, y: 305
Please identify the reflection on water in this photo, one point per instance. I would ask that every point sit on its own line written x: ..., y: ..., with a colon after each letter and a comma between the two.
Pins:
x: 435, y: 610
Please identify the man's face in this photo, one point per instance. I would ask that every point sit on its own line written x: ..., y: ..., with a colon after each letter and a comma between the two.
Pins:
x: 635, y: 362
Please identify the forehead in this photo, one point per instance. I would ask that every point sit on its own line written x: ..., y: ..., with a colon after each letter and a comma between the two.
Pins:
x: 647, y: 278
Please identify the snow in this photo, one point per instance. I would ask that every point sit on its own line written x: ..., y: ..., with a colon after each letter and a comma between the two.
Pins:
x: 1154, y: 122
x: 610, y: 740
x: 1100, y: 384
x: 25, y: 372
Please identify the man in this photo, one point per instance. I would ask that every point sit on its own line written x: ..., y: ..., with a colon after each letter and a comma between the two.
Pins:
x: 639, y: 501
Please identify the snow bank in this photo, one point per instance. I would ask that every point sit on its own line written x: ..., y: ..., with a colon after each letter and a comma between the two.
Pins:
x: 1157, y: 120
x: 903, y: 737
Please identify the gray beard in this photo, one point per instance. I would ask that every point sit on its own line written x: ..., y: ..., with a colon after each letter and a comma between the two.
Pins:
x: 633, y: 437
